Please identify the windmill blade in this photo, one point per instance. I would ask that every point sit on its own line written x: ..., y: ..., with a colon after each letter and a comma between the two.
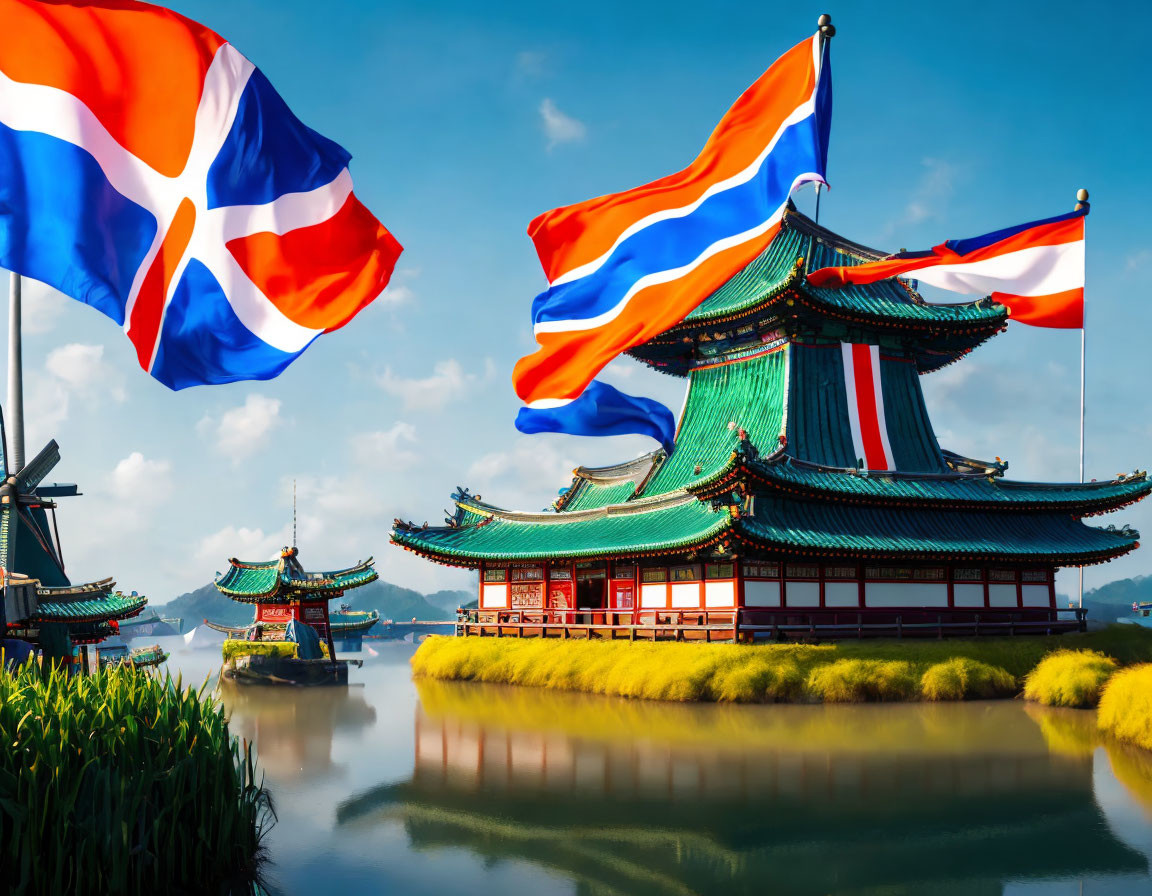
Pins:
x: 36, y: 469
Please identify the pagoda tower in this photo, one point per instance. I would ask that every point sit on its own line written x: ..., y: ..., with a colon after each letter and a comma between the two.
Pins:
x: 807, y: 494
x: 282, y: 590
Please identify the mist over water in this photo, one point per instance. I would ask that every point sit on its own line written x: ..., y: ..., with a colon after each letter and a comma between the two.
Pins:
x: 431, y: 788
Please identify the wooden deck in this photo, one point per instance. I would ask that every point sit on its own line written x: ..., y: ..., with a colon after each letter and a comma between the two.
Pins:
x: 747, y: 625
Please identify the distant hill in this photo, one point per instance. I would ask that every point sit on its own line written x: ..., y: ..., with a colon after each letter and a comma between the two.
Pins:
x: 390, y: 601
x: 1107, y: 602
x: 450, y: 600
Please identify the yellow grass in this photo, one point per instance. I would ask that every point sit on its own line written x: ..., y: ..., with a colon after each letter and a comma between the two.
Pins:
x: 858, y: 681
x: 1126, y: 706
x: 768, y: 673
x: 1069, y: 678
x: 235, y: 647
x: 962, y: 678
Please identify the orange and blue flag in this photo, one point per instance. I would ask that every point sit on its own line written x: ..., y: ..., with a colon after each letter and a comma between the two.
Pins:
x: 1036, y: 270
x: 149, y: 170
x: 625, y: 267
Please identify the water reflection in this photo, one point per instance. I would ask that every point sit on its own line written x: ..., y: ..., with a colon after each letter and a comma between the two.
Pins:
x: 631, y: 797
x: 294, y: 730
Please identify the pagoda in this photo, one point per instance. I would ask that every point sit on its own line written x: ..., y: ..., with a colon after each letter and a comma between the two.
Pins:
x: 806, y: 496
x: 283, y: 590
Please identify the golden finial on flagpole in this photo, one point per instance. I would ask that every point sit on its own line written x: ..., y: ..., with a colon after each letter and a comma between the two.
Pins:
x: 1081, y: 199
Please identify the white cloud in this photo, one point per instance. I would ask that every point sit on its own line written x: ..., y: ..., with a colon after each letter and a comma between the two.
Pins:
x: 558, y: 127
x: 40, y: 308
x: 242, y: 543
x: 135, y: 490
x: 138, y: 479
x: 82, y: 370
x: 328, y: 503
x: 399, y: 290
x: 240, y: 432
x: 525, y: 477
x: 386, y: 449
x: 447, y: 383
x: 72, y: 370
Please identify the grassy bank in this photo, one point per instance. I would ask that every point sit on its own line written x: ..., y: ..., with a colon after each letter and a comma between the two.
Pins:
x: 123, y: 782
x: 840, y: 672
x: 1126, y: 706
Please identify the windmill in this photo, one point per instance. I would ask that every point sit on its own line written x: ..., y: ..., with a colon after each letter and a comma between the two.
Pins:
x: 27, y: 544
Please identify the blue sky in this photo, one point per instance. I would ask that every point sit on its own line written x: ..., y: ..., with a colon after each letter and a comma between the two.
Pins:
x: 467, y: 120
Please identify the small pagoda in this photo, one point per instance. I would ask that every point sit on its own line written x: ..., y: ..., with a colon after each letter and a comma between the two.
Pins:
x: 283, y: 590
x: 41, y: 605
x: 807, y: 495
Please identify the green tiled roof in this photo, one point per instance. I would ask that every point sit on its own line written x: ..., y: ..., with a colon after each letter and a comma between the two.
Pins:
x: 588, y: 495
x: 285, y: 579
x: 636, y: 528
x: 353, y: 577
x: 841, y: 529
x: 722, y: 400
x: 956, y: 488
x: 774, y: 269
x: 250, y: 579
x: 74, y: 605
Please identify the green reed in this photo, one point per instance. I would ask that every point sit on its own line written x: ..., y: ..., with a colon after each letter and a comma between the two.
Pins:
x: 124, y: 782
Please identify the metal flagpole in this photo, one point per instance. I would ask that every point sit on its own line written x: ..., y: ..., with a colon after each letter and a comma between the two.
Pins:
x: 15, y: 415
x: 827, y: 29
x: 1081, y: 201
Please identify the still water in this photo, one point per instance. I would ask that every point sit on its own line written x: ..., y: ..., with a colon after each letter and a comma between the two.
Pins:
x: 435, y: 788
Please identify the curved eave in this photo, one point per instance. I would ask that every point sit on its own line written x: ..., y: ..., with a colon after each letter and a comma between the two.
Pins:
x: 61, y: 592
x: 658, y: 528
x: 795, y: 528
x: 249, y: 596
x: 337, y: 581
x: 100, y: 608
x: 963, y: 491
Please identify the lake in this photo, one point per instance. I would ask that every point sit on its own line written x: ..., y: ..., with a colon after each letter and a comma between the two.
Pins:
x: 389, y: 786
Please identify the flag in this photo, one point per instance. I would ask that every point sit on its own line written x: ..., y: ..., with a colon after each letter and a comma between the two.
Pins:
x: 151, y: 171
x: 625, y: 267
x: 602, y: 410
x: 1035, y: 270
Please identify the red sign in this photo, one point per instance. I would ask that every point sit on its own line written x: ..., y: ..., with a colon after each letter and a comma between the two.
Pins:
x: 274, y: 613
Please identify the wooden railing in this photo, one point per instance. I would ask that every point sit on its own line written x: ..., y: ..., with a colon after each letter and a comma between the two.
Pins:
x: 767, y: 623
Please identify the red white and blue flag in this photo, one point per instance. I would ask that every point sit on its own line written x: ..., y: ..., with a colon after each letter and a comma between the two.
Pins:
x: 625, y: 267
x: 1035, y: 270
x: 151, y: 171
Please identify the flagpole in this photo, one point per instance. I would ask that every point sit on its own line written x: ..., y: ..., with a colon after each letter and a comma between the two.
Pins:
x: 15, y: 409
x: 1081, y: 201
x: 826, y: 30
